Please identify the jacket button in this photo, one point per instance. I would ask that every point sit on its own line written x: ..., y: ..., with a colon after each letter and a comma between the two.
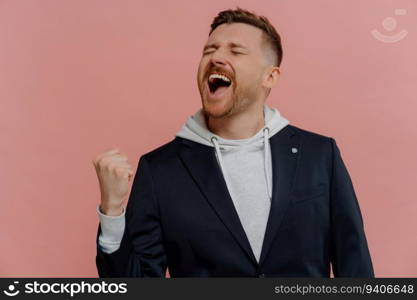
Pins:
x: 261, y: 275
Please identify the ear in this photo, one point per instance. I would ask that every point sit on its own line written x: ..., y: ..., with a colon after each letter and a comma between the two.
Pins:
x: 271, y: 77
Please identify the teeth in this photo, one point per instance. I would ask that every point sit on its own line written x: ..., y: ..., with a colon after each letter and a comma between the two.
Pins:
x: 212, y: 76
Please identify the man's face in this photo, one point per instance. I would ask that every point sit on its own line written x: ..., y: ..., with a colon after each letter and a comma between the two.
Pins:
x: 236, y: 51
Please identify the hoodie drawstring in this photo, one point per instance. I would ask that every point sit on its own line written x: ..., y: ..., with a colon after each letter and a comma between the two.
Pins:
x: 266, y: 159
x: 219, y: 157
x: 219, y: 154
x: 215, y: 142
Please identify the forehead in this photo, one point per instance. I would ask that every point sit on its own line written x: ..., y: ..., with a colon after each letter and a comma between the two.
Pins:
x: 240, y: 33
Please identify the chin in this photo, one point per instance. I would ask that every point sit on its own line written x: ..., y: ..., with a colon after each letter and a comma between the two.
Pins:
x: 217, y: 110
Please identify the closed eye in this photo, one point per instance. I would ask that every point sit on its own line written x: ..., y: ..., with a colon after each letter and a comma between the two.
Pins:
x: 211, y: 51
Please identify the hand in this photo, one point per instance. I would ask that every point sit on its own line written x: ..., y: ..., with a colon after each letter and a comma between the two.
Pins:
x: 114, y: 173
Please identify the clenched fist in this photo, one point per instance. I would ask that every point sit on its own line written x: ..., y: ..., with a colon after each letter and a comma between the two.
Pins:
x: 114, y: 173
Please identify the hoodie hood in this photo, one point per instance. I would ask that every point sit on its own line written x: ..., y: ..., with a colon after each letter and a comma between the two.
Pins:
x: 195, y: 129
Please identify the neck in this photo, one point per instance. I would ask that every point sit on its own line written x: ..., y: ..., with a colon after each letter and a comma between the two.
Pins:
x: 242, y: 125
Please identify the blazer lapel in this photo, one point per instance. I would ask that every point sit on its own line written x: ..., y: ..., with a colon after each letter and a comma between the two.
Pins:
x: 201, y: 162
x: 284, y: 161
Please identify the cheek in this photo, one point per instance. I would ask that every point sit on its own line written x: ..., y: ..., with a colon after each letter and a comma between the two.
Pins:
x: 199, y: 71
x: 245, y: 77
x: 201, y: 67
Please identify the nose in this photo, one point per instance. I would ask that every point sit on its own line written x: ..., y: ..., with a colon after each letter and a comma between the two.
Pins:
x: 217, y: 59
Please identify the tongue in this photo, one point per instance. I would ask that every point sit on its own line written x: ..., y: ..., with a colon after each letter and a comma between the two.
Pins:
x: 220, y: 90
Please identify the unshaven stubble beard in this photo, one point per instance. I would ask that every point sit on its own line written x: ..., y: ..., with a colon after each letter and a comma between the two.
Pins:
x: 239, y: 103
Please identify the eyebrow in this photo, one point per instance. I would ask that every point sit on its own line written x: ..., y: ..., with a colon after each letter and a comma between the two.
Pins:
x: 231, y: 44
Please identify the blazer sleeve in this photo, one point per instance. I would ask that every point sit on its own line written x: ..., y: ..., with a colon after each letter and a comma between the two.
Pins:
x: 350, y: 255
x: 141, y: 252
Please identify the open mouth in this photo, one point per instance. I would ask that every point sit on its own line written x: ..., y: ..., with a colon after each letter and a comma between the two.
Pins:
x: 218, y: 84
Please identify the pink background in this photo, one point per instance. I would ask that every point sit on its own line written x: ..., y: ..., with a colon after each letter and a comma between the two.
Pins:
x: 80, y: 77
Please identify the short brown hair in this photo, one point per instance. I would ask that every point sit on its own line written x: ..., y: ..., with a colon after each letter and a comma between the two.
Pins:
x: 243, y: 16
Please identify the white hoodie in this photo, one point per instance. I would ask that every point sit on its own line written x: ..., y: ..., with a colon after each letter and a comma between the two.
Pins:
x: 247, y: 170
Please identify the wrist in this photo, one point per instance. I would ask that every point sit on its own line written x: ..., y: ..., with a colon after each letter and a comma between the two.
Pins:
x: 111, y: 210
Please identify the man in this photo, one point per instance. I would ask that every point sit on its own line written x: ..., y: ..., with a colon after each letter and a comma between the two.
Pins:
x: 238, y: 192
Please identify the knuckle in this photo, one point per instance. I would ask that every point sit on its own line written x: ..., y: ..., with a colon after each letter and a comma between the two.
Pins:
x: 109, y: 166
x: 119, y: 172
x: 103, y: 164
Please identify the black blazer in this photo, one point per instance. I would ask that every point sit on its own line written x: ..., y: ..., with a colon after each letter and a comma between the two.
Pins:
x: 180, y: 215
